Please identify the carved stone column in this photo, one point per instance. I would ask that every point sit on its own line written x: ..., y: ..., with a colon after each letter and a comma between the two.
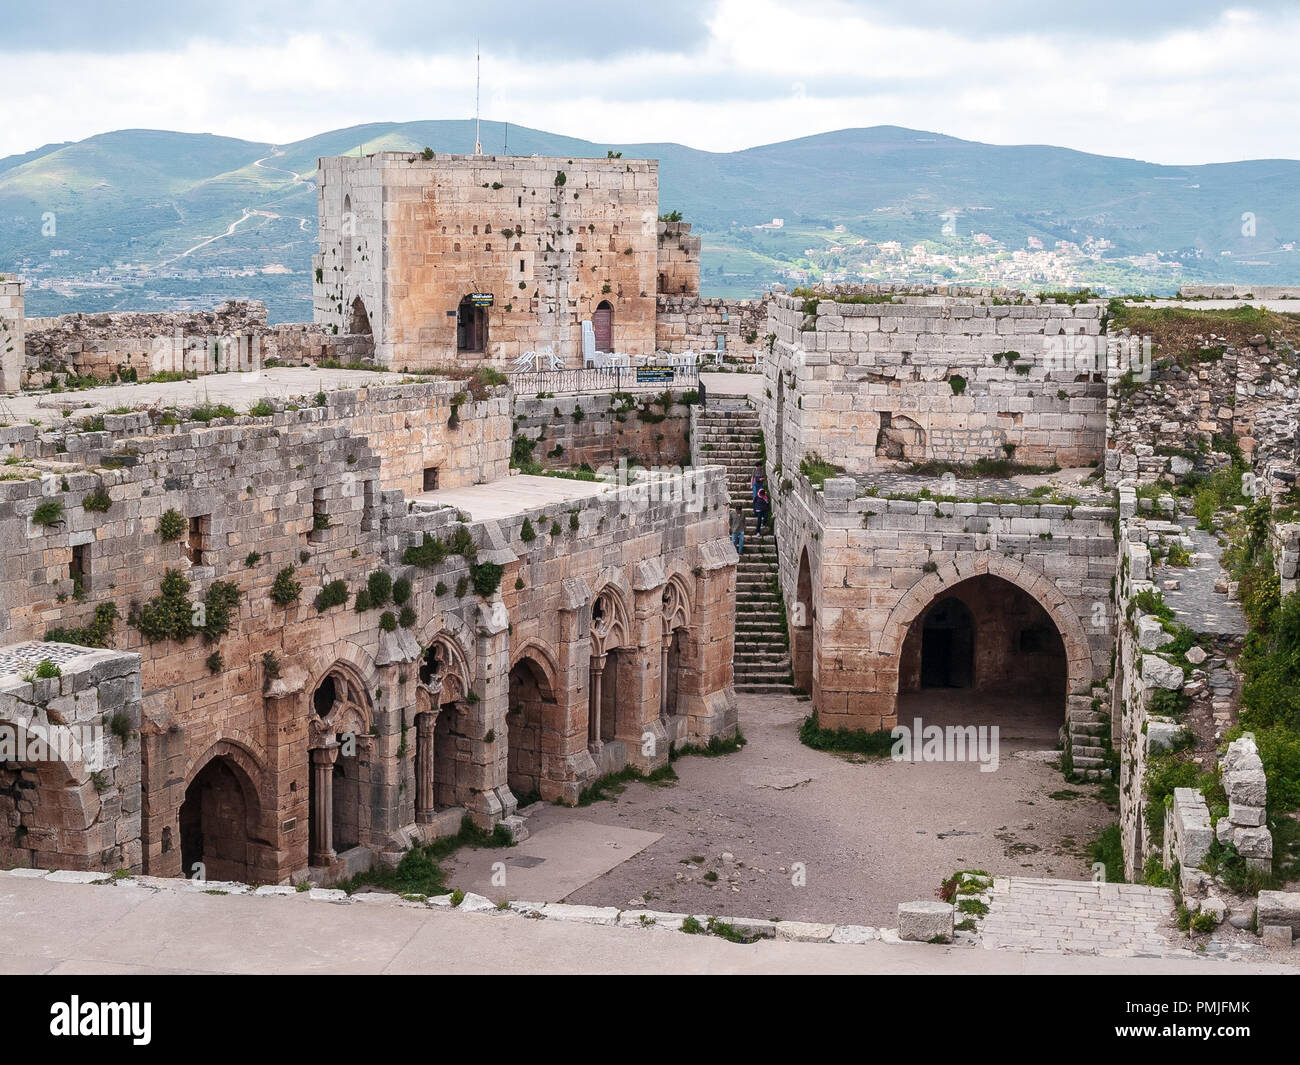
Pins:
x: 593, y: 717
x: 424, y: 731
x: 322, y: 809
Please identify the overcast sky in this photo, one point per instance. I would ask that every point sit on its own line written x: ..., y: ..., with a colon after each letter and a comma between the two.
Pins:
x: 1187, y: 81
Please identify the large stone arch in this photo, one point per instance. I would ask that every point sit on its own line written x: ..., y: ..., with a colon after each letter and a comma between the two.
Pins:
x: 1034, y: 583
x: 221, y: 819
x: 50, y: 811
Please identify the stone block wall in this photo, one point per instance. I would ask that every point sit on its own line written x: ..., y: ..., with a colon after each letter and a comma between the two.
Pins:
x: 598, y: 430
x: 696, y: 324
x: 404, y: 239
x: 930, y: 377
x: 11, y: 334
x: 678, y: 260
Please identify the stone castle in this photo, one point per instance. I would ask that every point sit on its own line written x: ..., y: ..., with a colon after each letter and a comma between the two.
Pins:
x: 332, y: 625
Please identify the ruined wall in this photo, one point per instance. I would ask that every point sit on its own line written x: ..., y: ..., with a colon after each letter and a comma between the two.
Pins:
x: 73, y: 803
x: 695, y: 324
x: 11, y: 334
x: 678, y: 260
x: 549, y: 239
x: 965, y: 378
x: 599, y: 430
x: 234, y: 336
x: 875, y: 564
x: 1178, y: 418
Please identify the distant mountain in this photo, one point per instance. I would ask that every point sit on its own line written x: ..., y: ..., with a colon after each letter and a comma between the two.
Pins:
x: 178, y: 202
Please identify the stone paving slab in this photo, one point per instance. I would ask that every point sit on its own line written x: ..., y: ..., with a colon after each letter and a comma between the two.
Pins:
x: 1195, y: 602
x: 1078, y: 917
x: 512, y: 495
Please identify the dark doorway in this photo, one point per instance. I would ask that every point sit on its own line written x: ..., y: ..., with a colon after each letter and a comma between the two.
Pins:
x: 947, y: 645
x: 214, y: 824
x: 602, y: 323
x: 471, y: 326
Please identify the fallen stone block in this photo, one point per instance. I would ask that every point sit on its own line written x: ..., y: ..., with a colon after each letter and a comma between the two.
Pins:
x: 1159, y: 673
x: 1279, y: 908
x: 925, y: 921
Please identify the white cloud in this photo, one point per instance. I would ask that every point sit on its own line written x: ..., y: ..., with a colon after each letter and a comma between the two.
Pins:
x: 1226, y: 88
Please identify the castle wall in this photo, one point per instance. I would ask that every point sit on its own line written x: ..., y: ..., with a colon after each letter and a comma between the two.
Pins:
x: 678, y: 260
x: 549, y: 239
x: 235, y: 336
x: 876, y: 563
x: 931, y: 378
x: 322, y: 498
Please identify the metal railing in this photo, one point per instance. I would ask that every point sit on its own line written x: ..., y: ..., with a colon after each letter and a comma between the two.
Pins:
x: 603, y: 379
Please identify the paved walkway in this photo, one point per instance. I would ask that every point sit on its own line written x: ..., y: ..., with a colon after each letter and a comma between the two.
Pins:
x: 1074, y: 917
x: 1195, y: 602
x: 239, y: 390
x: 69, y: 928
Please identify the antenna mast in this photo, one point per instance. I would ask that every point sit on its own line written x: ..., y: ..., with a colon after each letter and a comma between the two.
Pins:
x: 478, y: 145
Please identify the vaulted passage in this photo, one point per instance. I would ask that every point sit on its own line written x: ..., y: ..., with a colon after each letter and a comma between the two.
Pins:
x: 985, y: 652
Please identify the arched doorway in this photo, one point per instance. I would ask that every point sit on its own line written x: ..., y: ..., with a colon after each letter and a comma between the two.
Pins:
x: 340, y: 749
x: 216, y: 822
x: 471, y: 326
x: 983, y: 650
x: 442, y: 762
x: 360, y: 321
x: 602, y: 324
x: 947, y: 645
x: 531, y: 713
x: 801, y: 631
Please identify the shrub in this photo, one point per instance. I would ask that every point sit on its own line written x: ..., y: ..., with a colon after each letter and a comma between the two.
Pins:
x: 48, y: 513
x: 172, y: 525
x: 958, y: 384
x: 388, y: 621
x: 252, y: 559
x: 362, y: 603
x: 431, y: 552
x: 526, y: 533
x: 97, y: 634
x: 401, y: 590
x: 407, y: 617
x: 47, y: 670
x: 169, y: 615
x: 380, y: 586
x: 285, y: 589
x: 333, y: 594
x: 219, y: 609
x: 487, y: 578
x: 97, y: 501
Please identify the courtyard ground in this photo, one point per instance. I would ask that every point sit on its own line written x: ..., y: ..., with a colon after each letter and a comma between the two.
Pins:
x: 729, y: 837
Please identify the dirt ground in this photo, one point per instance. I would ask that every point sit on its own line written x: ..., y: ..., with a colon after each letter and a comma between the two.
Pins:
x: 867, y: 833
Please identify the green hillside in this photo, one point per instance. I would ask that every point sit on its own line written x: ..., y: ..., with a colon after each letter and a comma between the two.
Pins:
x: 167, y: 201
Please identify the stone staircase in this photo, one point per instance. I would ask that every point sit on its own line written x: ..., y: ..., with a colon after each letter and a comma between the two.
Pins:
x: 1085, y: 737
x: 728, y: 435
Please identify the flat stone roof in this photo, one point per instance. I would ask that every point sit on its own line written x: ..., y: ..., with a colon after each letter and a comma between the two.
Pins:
x: 239, y: 390
x: 512, y: 495
x: 1067, y: 482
